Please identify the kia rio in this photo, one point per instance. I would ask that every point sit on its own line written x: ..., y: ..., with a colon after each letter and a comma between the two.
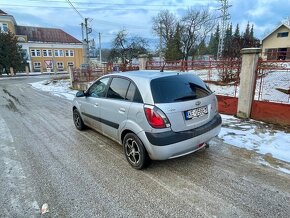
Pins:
x: 153, y: 115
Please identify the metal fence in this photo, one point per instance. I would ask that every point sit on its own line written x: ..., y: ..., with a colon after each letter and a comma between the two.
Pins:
x: 90, y: 74
x: 273, y: 81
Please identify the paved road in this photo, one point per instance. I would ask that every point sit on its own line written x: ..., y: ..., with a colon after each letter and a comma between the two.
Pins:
x: 44, y: 159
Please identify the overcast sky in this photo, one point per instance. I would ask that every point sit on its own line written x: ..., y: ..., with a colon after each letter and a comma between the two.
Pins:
x: 110, y: 16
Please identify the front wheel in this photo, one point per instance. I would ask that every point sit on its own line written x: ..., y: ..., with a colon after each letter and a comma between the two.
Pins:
x: 135, y: 152
x: 78, y: 121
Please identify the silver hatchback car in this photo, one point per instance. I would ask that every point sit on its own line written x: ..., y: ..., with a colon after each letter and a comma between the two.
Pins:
x: 154, y: 115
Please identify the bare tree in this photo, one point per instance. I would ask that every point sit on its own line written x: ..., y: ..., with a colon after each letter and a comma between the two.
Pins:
x: 196, y: 26
x: 193, y: 29
x: 164, y: 25
x: 127, y: 47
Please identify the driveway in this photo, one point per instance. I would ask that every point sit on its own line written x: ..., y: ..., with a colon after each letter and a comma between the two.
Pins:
x: 44, y: 159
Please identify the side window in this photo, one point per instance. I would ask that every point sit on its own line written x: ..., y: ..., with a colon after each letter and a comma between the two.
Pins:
x: 118, y: 88
x: 138, y: 97
x: 98, y: 89
x: 133, y: 94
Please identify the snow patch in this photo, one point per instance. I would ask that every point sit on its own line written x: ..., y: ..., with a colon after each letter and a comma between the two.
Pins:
x: 59, y: 88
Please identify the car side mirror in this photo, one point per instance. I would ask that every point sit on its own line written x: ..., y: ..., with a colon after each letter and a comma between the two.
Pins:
x: 80, y: 94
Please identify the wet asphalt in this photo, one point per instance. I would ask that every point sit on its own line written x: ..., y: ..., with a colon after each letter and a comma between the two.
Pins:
x: 44, y: 159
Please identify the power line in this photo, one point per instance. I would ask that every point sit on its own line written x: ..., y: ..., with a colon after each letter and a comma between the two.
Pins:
x: 68, y: 1
x: 225, y: 18
x: 88, y: 7
x: 123, y: 4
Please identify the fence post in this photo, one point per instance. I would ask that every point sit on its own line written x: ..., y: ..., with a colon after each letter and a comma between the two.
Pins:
x: 142, y: 61
x: 11, y: 71
x: 250, y: 57
x: 27, y: 69
x: 71, y: 75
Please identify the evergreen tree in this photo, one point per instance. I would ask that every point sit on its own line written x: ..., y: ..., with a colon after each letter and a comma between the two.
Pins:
x: 11, y: 54
x: 213, y: 42
x: 236, y: 42
x: 228, y: 49
x: 247, y: 41
x: 252, y: 31
x: 173, y: 46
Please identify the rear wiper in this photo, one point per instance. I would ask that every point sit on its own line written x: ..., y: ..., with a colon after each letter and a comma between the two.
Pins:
x: 187, y: 97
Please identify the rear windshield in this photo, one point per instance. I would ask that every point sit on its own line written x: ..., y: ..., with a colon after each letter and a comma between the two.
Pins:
x: 178, y: 88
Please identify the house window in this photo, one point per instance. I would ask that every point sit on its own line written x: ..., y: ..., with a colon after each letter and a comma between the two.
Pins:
x: 47, y: 53
x: 58, y: 53
x: 36, y: 65
x: 59, y: 65
x: 4, y: 27
x: 271, y: 53
x: 283, y: 34
x: 70, y: 64
x: 69, y: 53
x: 35, y: 52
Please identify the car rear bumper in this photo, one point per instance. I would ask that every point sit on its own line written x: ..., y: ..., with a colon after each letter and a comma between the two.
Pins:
x: 161, y: 146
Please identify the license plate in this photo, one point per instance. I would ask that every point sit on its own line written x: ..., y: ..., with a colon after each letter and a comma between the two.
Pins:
x: 195, y: 113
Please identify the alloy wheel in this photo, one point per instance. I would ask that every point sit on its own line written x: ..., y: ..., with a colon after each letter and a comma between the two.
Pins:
x: 132, y: 151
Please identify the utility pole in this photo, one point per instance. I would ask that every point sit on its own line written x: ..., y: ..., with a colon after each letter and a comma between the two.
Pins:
x: 224, y: 24
x: 160, y: 43
x: 100, y: 48
x: 82, y: 24
x: 84, y: 44
x: 87, y: 41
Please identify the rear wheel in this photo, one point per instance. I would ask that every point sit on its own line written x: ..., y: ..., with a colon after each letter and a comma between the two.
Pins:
x: 78, y: 120
x: 135, y: 152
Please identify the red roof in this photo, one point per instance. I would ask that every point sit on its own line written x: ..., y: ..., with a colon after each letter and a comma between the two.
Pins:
x: 2, y: 12
x: 40, y: 34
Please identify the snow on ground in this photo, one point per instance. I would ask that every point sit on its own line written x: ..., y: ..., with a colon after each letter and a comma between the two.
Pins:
x: 59, y: 88
x: 254, y: 135
x: 272, y: 80
x: 251, y: 135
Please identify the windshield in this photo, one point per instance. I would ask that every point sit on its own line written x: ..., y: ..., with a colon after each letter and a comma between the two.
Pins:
x: 178, y: 88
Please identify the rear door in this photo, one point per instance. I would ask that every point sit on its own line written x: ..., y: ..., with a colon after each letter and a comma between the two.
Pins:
x: 185, y: 100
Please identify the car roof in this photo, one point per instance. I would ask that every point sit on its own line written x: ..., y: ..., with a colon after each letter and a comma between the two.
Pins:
x: 146, y: 74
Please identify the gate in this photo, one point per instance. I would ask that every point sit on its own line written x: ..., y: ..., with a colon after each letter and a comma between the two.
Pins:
x: 272, y: 94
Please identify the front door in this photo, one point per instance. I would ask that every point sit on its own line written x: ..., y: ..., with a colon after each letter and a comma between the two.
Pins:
x: 92, y: 103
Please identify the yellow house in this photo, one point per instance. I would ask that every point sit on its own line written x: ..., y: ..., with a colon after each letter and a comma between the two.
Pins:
x: 276, y: 45
x: 45, y: 48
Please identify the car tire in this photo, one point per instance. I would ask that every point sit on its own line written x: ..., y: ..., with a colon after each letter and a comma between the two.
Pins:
x: 78, y: 121
x: 135, y: 152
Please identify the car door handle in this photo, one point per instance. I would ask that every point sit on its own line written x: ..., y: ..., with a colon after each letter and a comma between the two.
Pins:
x: 96, y: 105
x: 122, y: 110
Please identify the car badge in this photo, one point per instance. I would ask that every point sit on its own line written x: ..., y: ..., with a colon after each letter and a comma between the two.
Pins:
x: 197, y: 103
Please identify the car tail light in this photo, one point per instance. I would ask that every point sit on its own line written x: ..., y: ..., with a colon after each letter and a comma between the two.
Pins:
x: 156, y: 118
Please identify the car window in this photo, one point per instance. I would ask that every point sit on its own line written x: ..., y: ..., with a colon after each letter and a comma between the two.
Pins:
x: 118, y: 88
x: 133, y: 94
x: 98, y: 89
x: 178, y: 88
